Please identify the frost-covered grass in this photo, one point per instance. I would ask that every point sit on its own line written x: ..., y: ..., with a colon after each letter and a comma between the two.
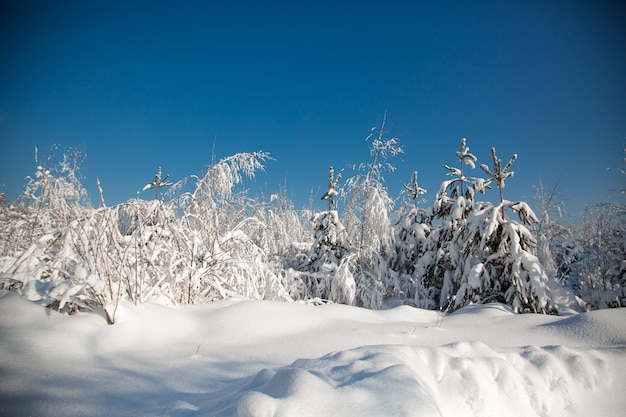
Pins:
x: 263, y: 358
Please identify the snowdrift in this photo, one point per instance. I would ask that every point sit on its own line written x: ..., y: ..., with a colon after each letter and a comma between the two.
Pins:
x: 261, y: 358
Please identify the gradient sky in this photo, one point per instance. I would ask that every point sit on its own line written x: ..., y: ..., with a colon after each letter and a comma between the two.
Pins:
x: 141, y: 84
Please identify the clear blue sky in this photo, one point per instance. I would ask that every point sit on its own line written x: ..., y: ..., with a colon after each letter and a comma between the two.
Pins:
x: 141, y: 84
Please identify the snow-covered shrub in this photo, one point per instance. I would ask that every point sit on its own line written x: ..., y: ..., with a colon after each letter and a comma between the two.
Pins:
x: 283, y: 231
x: 51, y: 199
x: 157, y: 245
x: 230, y: 260
x: 597, y: 270
x: 328, y: 249
x: 213, y: 207
x: 17, y: 229
x: 599, y: 275
x: 557, y: 249
x: 71, y: 268
x: 194, y: 249
x: 93, y: 262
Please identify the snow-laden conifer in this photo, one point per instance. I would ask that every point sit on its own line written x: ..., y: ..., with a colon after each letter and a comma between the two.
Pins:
x: 331, y: 194
x: 474, y: 253
x: 501, y: 265
x: 158, y: 183
x: 412, y: 230
x: 442, y: 261
x: 498, y: 173
x: 325, y: 276
x: 498, y: 261
x: 456, y: 196
x: 413, y: 188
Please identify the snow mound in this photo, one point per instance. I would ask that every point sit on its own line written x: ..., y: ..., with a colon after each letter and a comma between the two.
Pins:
x: 485, y: 310
x: 258, y: 358
x: 460, y: 379
x: 600, y: 327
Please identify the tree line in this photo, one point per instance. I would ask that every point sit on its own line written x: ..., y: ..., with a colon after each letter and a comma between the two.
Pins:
x: 214, y: 241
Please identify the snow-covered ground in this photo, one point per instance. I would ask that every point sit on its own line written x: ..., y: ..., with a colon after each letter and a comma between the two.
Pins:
x: 260, y: 358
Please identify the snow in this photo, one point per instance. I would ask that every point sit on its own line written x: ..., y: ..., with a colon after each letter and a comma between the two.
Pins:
x: 264, y: 358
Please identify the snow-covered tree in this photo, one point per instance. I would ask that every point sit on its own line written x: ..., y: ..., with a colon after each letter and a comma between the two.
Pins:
x: 556, y: 247
x: 599, y: 276
x: 158, y: 183
x: 414, y: 189
x: 596, y: 267
x: 331, y: 240
x: 284, y: 233
x: 476, y: 254
x: 455, y: 198
x: 331, y: 193
x: 442, y: 262
x: 324, y: 278
x: 498, y: 253
x: 499, y: 174
x: 500, y: 264
x: 412, y: 230
x: 366, y: 218
x: 231, y: 260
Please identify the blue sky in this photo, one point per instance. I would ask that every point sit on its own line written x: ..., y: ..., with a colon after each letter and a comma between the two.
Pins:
x: 141, y: 84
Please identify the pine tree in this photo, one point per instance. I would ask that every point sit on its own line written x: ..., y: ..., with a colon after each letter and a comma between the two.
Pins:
x: 412, y: 230
x: 499, y: 262
x: 325, y: 279
x: 443, y: 260
x: 158, y: 183
x: 332, y: 188
x: 414, y: 189
x: 499, y: 174
x: 477, y: 254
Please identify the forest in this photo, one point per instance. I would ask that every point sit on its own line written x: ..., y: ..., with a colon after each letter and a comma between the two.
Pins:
x: 204, y: 238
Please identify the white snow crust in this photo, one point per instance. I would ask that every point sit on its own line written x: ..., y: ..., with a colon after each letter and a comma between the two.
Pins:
x: 262, y: 358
